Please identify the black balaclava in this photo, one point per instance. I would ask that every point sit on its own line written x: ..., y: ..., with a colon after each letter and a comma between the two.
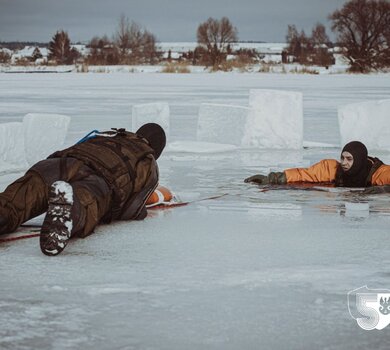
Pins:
x: 357, y: 175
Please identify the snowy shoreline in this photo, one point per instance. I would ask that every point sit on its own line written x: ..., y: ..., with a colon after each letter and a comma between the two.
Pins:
x: 188, y: 69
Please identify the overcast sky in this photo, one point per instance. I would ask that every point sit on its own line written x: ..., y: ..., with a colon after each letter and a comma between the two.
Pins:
x: 169, y: 20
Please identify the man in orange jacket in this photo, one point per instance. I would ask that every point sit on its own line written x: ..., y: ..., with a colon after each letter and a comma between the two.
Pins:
x: 355, y: 169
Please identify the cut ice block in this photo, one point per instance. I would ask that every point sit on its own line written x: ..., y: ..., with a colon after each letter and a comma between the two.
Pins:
x: 275, y: 120
x: 151, y: 113
x: 222, y: 123
x: 12, y: 155
x: 43, y: 135
x: 367, y: 122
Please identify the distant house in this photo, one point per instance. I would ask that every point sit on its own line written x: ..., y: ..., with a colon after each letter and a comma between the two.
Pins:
x: 34, y: 54
x: 271, y: 52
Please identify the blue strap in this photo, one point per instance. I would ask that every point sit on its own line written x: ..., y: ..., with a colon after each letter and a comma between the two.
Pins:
x: 90, y: 135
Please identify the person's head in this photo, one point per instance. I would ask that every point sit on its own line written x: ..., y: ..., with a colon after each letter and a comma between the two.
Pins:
x: 353, y: 158
x: 155, y: 136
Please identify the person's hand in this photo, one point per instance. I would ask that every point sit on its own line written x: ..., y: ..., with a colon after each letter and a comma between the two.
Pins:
x: 275, y: 178
x: 258, y: 179
x: 377, y: 189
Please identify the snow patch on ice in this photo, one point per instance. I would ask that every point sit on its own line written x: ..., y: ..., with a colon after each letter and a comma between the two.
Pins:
x: 367, y: 122
x: 157, y: 112
x: 275, y: 120
x: 43, y: 135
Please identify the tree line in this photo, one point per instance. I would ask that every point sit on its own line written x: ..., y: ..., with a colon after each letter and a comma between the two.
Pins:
x: 362, y: 28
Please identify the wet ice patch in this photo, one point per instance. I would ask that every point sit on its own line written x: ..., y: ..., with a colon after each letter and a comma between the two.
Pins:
x: 26, y: 324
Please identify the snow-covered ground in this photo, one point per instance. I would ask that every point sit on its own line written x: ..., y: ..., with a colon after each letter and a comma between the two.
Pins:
x: 251, y: 270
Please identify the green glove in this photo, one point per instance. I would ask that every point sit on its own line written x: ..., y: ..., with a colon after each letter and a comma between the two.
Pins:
x: 258, y: 179
x: 277, y: 178
x: 377, y: 189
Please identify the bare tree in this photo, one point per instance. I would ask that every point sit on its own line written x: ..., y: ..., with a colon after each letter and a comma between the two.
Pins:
x: 320, y: 44
x: 309, y: 50
x: 5, y: 57
x: 216, y: 36
x: 299, y: 45
x: 60, y: 50
x: 149, y: 47
x: 363, y: 28
x: 102, y: 51
x: 123, y: 37
x: 135, y: 44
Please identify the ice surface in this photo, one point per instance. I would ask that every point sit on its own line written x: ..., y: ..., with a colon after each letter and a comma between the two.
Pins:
x: 222, y: 123
x: 275, y: 119
x: 12, y: 156
x: 198, y: 147
x: 151, y: 113
x: 251, y: 270
x: 367, y: 122
x: 43, y: 134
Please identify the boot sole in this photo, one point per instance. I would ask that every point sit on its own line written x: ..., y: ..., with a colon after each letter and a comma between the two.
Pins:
x: 57, y: 225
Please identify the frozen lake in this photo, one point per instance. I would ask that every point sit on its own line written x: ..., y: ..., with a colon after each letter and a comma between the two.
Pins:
x: 251, y: 270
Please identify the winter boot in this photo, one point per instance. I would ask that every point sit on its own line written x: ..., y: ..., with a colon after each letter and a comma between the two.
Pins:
x: 57, y: 226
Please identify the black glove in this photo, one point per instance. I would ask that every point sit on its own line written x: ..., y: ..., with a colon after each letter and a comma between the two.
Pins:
x: 278, y: 178
x: 377, y: 189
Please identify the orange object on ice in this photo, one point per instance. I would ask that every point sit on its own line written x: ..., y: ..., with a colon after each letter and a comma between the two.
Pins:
x: 160, y: 195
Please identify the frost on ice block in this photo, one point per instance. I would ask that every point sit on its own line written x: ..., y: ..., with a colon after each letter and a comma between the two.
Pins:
x: 43, y: 135
x: 151, y: 113
x: 275, y: 120
x: 12, y: 156
x: 367, y: 122
x: 221, y: 123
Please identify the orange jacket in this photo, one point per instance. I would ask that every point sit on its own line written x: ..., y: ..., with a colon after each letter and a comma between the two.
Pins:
x: 326, y: 169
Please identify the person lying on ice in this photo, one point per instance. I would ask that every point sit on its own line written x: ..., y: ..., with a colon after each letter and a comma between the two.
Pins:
x: 355, y: 169
x: 106, y: 177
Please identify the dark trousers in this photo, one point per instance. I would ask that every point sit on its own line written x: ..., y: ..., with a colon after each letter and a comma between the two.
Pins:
x: 27, y: 197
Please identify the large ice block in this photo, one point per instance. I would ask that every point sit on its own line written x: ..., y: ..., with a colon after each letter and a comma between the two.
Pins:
x: 43, y: 134
x: 221, y: 123
x: 275, y: 120
x: 157, y: 112
x: 12, y: 156
x: 367, y: 122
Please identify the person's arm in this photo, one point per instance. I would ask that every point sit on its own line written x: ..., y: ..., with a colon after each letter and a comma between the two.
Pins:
x: 323, y: 171
x: 381, y: 176
x: 380, y: 181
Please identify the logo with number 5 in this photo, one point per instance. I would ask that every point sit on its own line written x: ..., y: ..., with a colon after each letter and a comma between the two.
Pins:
x: 370, y: 307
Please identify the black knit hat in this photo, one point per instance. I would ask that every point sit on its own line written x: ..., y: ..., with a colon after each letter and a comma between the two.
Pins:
x: 155, y: 135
